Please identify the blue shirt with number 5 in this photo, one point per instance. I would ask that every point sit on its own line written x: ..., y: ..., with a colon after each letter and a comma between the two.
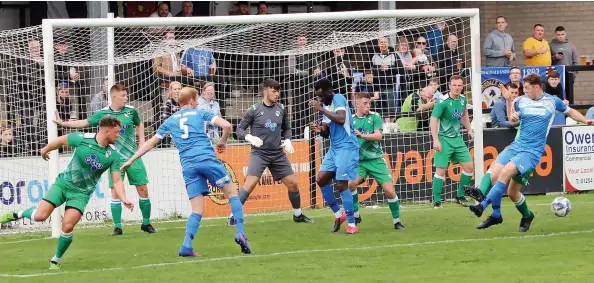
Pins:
x: 187, y: 127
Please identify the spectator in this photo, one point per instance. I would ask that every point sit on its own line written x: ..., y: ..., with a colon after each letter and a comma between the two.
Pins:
x: 201, y: 62
x: 590, y: 113
x: 64, y: 102
x: 169, y: 68
x: 409, y: 62
x: 451, y: 61
x: 553, y: 86
x: 434, y: 83
x: 369, y: 85
x: 302, y: 69
x: 536, y: 48
x: 169, y: 107
x: 499, y: 111
x: 187, y: 9
x: 435, y: 39
x: 26, y: 95
x: 515, y: 77
x: 421, y: 43
x: 100, y: 100
x: 425, y: 67
x: 564, y: 53
x: 387, y: 70
x: 499, y: 46
x: 337, y: 70
x: 243, y: 8
x: 262, y: 8
x: 66, y: 73
x: 162, y: 11
x: 417, y: 102
x: 207, y: 102
x: 7, y: 146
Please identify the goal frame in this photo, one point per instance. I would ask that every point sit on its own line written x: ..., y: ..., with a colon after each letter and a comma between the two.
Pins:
x: 110, y: 23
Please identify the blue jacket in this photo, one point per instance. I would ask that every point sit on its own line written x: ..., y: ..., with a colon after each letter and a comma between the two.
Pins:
x: 499, y: 115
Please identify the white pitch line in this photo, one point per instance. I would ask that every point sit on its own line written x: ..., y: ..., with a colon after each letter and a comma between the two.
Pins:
x: 216, y: 259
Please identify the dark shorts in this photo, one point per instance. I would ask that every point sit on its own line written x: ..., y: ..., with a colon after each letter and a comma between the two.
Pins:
x: 277, y: 163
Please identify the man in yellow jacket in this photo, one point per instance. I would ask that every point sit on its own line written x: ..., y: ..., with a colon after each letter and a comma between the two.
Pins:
x: 536, y: 48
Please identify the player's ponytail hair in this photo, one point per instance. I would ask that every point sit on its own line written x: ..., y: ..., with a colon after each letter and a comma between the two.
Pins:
x: 109, y: 122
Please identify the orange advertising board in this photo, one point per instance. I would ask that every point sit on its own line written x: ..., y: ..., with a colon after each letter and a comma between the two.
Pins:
x: 268, y: 195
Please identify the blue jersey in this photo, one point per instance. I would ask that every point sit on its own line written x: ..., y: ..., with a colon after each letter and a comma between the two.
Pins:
x: 341, y: 136
x: 536, y: 118
x: 187, y: 127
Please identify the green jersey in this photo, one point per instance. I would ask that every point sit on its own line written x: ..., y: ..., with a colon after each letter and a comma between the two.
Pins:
x: 130, y: 119
x: 368, y: 124
x: 89, y: 161
x: 449, y: 111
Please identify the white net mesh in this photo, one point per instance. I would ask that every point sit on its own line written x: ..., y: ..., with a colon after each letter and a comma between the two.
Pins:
x: 383, y: 57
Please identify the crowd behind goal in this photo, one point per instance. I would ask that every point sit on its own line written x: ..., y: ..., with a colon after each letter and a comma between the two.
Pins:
x: 400, y: 77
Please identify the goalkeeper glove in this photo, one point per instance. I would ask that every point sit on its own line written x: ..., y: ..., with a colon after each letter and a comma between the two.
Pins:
x: 255, y: 141
x: 288, y: 146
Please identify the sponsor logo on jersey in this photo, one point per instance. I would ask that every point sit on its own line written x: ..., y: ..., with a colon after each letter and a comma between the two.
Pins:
x: 216, y: 193
x: 270, y: 125
x: 123, y: 129
x: 92, y: 160
x: 457, y: 114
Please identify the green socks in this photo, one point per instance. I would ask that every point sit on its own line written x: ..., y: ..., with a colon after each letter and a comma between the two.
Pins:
x: 28, y: 213
x: 437, y: 188
x: 465, y: 179
x: 145, y: 208
x: 356, y: 202
x: 485, y: 184
x: 522, y: 207
x: 116, y: 212
x: 63, y: 243
x: 394, y: 206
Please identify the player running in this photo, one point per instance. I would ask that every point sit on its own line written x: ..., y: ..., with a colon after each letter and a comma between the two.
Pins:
x: 534, y: 112
x: 93, y: 155
x: 199, y: 163
x: 368, y: 129
x: 342, y: 158
x: 269, y: 123
x: 445, y: 122
x: 131, y: 126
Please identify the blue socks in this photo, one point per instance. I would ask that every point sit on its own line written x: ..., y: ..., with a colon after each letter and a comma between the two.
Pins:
x: 347, y: 203
x: 237, y: 210
x: 192, y: 226
x: 328, y: 194
x: 494, y: 197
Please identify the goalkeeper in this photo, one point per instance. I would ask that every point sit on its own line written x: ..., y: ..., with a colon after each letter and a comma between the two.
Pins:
x: 368, y: 129
x: 446, y: 118
x: 126, y: 144
x: 94, y: 154
x: 269, y: 123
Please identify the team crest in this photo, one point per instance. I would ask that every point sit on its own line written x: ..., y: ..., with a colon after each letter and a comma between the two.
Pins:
x: 261, y: 114
x: 108, y: 153
x: 277, y: 113
x: 127, y: 114
x: 369, y: 120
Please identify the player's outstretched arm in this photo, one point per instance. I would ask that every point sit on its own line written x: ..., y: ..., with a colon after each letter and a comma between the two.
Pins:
x: 120, y: 193
x: 226, y: 126
x: 71, y: 124
x: 577, y: 116
x: 146, y: 147
x: 53, y: 145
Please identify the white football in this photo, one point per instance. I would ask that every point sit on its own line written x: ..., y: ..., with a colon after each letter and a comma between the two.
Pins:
x: 561, y: 206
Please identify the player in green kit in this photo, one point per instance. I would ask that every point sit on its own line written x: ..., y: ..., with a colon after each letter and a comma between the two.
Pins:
x: 368, y: 129
x: 447, y: 116
x: 126, y: 145
x: 93, y: 155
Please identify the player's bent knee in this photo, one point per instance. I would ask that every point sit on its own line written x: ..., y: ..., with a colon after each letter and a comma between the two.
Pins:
x: 142, y: 191
x: 229, y: 190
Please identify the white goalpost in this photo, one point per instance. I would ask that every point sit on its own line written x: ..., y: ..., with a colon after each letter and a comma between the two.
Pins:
x: 82, y: 57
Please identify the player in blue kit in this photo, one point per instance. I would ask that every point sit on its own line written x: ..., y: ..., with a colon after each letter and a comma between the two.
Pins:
x: 534, y: 112
x: 199, y: 163
x: 342, y: 159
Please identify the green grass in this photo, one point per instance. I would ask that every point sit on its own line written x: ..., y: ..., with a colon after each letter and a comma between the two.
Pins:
x: 437, y: 246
